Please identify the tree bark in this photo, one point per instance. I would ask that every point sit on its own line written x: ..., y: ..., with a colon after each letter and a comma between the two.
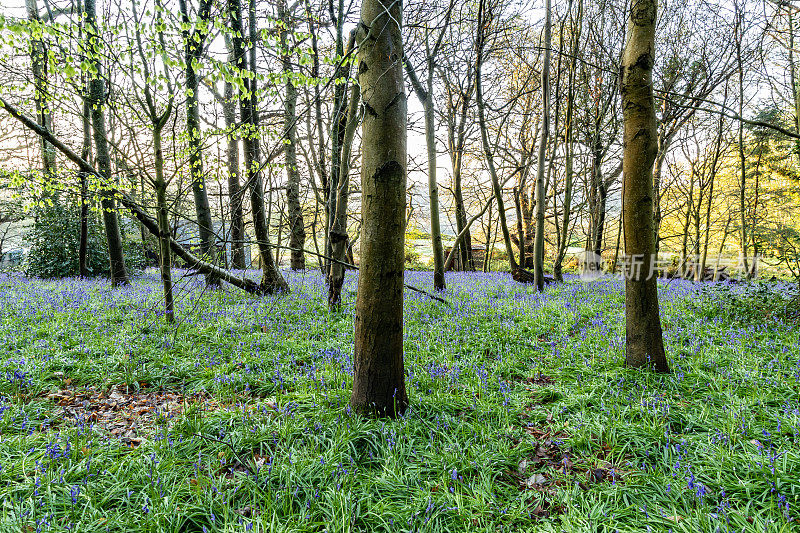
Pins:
x: 644, y: 343
x: 379, y: 377
x: 119, y: 274
x: 297, y: 232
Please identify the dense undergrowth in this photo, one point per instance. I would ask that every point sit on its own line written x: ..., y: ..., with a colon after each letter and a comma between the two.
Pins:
x: 522, y: 417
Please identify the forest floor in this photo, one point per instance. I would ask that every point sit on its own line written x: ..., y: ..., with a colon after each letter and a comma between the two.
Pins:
x: 522, y: 416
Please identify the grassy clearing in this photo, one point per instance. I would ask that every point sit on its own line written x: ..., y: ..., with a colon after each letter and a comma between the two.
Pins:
x: 522, y: 416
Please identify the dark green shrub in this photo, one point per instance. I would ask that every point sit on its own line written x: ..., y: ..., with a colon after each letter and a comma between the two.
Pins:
x: 56, y: 239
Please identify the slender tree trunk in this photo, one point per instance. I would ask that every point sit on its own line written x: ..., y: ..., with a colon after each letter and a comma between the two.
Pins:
x: 193, y: 42
x: 235, y: 191
x: 568, y: 154
x: 538, y: 247
x: 684, y: 266
x: 742, y: 159
x: 457, y: 144
x: 338, y: 233
x: 379, y: 377
x: 485, y: 19
x: 41, y: 88
x: 83, y: 244
x: 521, y: 241
x: 163, y: 222
x: 337, y: 128
x: 425, y: 96
x: 271, y: 280
x: 119, y: 274
x: 793, y: 80
x: 297, y: 231
x: 644, y: 343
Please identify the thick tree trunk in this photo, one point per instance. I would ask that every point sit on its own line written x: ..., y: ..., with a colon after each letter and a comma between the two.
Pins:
x: 271, y: 280
x: 538, y: 246
x: 119, y: 274
x: 297, y: 231
x: 338, y: 233
x: 379, y: 377
x: 644, y: 343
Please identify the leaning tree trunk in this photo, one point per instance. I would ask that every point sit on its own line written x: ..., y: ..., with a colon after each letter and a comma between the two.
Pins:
x: 297, y: 232
x: 538, y: 245
x: 379, y: 378
x: 644, y: 342
x: 119, y: 274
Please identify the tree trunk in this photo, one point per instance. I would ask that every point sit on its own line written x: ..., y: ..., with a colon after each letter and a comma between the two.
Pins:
x: 521, y: 240
x: 337, y: 128
x: 483, y: 20
x: 271, y: 279
x: 378, y: 381
x: 235, y: 191
x: 568, y: 154
x: 41, y: 89
x: 119, y: 274
x: 538, y: 247
x: 83, y: 244
x: 163, y: 223
x: 193, y: 42
x: 644, y: 343
x: 457, y: 143
x: 297, y: 231
x: 425, y: 96
x: 338, y: 233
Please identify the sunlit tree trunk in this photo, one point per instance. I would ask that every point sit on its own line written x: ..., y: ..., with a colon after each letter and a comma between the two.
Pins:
x: 644, y: 343
x: 379, y: 377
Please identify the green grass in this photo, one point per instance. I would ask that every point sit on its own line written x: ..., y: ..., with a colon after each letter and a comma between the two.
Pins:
x: 522, y: 416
